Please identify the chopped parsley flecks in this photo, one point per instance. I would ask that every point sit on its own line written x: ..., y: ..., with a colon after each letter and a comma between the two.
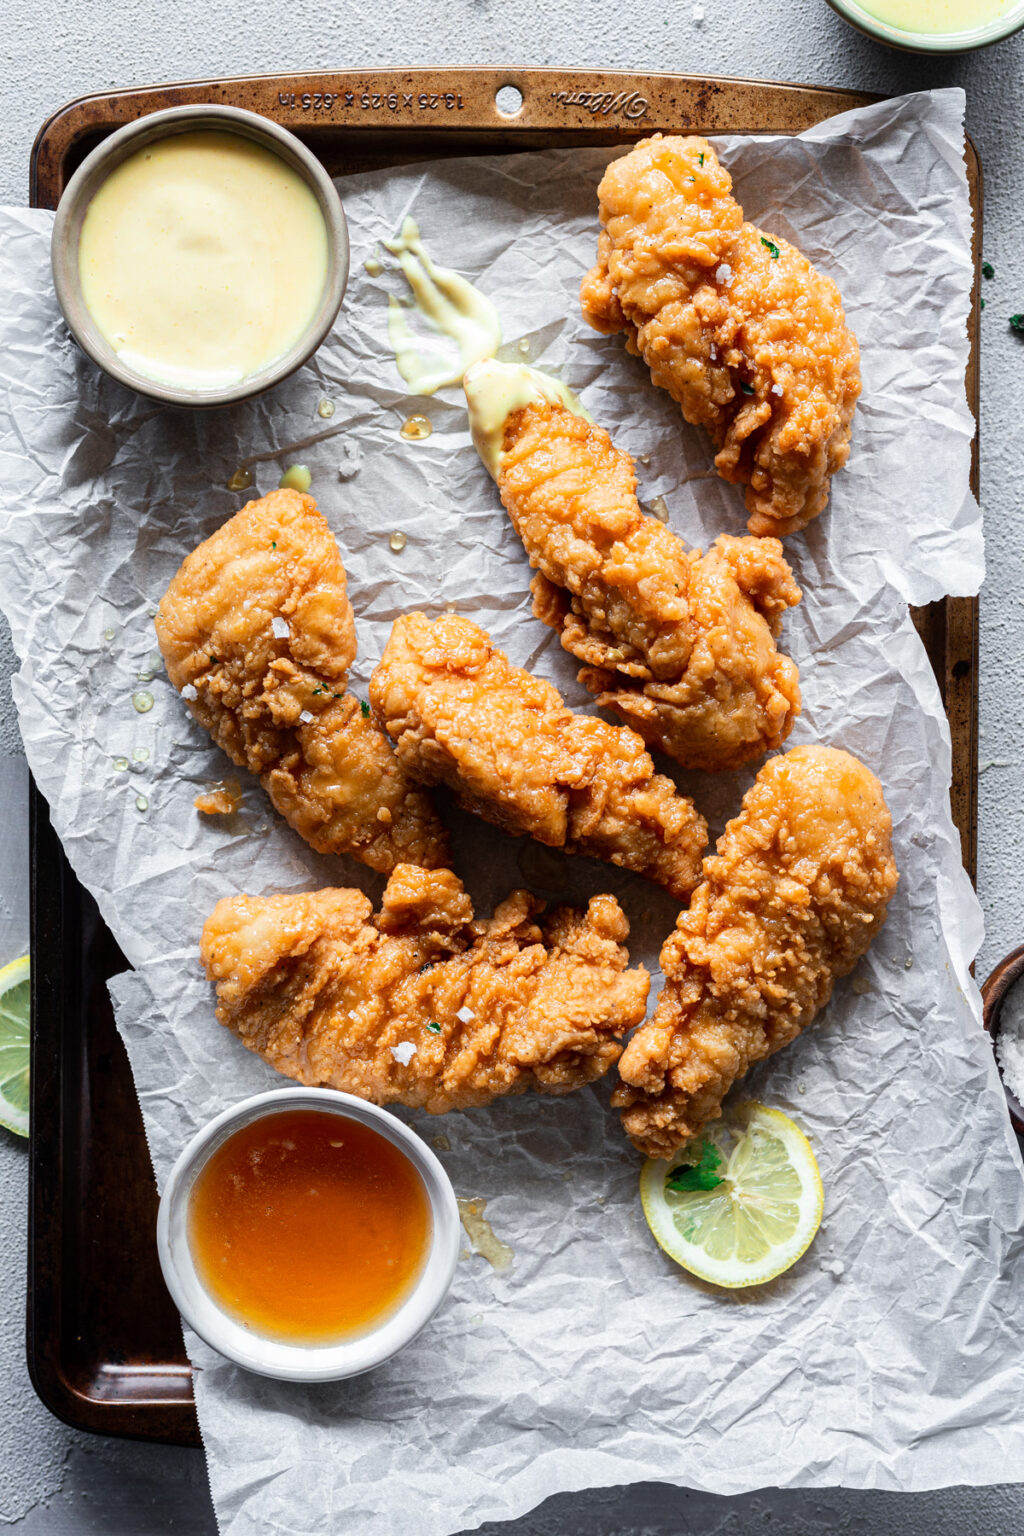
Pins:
x: 702, y: 157
x: 987, y: 269
x: 697, y: 1176
x: 748, y: 389
x: 983, y: 303
x: 771, y: 247
x: 273, y: 543
x: 433, y: 1026
x: 362, y: 705
x: 1017, y: 321
x: 214, y: 660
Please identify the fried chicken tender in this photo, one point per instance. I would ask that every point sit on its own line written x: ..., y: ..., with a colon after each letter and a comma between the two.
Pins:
x: 790, y: 901
x: 419, y: 1004
x: 737, y: 325
x: 460, y: 714
x: 679, y: 644
x: 257, y: 633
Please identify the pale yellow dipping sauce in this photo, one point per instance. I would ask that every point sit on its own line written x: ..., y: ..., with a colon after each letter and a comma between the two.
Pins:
x: 939, y: 16
x: 203, y: 258
x: 494, y: 390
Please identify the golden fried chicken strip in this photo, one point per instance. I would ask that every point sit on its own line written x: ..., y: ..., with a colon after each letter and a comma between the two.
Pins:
x: 460, y: 714
x: 419, y: 1004
x: 736, y: 324
x: 257, y: 633
x: 680, y: 644
x: 790, y: 901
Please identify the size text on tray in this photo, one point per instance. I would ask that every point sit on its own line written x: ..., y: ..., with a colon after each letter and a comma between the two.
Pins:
x: 373, y: 101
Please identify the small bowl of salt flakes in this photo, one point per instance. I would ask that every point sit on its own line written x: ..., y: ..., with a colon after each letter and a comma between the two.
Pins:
x: 1003, y: 1014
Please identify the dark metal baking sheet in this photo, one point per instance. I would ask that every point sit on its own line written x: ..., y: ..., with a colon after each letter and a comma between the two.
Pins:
x: 104, y: 1341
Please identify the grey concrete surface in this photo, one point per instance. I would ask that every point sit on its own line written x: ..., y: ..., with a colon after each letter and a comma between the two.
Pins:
x: 55, y: 1481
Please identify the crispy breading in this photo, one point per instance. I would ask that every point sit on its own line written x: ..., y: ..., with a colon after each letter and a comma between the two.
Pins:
x: 736, y: 324
x: 680, y: 644
x: 420, y: 1004
x: 790, y: 901
x: 257, y: 631
x: 460, y: 714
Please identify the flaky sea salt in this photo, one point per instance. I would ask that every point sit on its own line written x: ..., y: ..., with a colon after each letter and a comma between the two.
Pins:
x: 306, y: 717
x: 723, y: 274
x: 465, y: 1014
x: 776, y: 389
x: 189, y: 691
x: 280, y: 627
x: 1010, y: 1043
x: 351, y: 459
x: 698, y: 14
x: 404, y: 1052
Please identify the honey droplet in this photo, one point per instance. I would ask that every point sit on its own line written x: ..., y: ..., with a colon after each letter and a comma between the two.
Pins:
x: 108, y: 634
x: 143, y: 701
x: 524, y: 347
x: 644, y: 458
x: 658, y: 508
x: 372, y: 266
x: 417, y: 428
x: 295, y: 478
x: 441, y: 1142
x: 121, y: 764
x: 482, y: 1235
x: 145, y: 677
x: 141, y: 803
x: 397, y: 542
x: 241, y: 480
x: 141, y: 754
x: 325, y: 409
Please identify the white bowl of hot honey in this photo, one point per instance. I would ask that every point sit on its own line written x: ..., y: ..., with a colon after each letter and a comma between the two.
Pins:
x: 200, y: 255
x: 307, y: 1235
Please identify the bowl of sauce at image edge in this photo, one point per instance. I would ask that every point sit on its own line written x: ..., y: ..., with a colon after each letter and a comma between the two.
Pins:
x: 307, y: 1235
x: 200, y: 255
x: 934, y: 26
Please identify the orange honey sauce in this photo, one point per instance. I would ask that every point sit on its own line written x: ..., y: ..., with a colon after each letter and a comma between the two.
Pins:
x: 308, y: 1227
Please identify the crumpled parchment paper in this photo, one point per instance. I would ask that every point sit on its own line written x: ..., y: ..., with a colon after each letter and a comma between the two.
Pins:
x: 891, y: 1356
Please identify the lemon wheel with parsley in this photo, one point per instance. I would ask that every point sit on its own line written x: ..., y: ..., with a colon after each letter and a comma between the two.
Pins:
x: 741, y: 1203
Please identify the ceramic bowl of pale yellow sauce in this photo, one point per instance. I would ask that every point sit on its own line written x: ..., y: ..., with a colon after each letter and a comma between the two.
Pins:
x: 200, y: 255
x: 934, y: 26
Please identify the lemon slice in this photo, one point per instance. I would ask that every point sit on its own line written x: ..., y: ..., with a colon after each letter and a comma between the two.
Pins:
x: 762, y: 1212
x: 14, y: 1017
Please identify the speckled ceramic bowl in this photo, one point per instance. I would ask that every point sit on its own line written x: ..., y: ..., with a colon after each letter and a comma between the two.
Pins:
x: 963, y: 41
x: 107, y: 157
x: 997, y: 988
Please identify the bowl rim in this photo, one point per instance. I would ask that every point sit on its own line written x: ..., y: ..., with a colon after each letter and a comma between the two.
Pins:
x: 272, y: 1357
x: 105, y: 159
x: 964, y: 41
